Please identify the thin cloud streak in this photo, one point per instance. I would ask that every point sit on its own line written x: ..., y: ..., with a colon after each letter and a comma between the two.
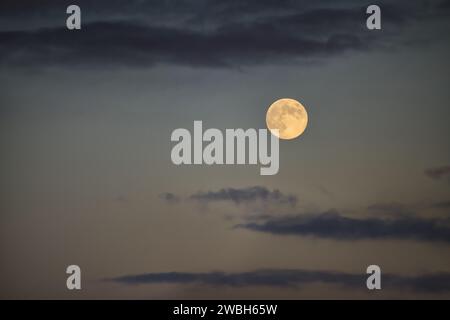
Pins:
x: 430, y: 283
x: 246, y: 195
x: 333, y: 225
x: 438, y: 173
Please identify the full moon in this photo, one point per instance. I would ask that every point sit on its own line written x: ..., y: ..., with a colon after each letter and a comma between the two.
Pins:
x: 288, y: 116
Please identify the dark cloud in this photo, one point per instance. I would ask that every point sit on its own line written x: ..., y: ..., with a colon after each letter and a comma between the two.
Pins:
x: 170, y: 197
x: 245, y: 195
x: 333, y: 225
x: 438, y: 172
x: 435, y: 283
x: 190, y: 33
x: 444, y: 5
x: 128, y: 43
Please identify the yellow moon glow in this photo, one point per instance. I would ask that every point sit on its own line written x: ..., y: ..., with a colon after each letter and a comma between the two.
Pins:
x: 288, y: 116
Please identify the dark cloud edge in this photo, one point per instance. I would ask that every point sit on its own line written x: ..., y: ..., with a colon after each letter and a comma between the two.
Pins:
x: 292, y: 278
x: 237, y: 196
x: 245, y: 195
x: 333, y: 225
x: 300, y: 36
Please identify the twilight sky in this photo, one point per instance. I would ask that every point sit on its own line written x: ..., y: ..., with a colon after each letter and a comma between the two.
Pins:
x: 86, y: 176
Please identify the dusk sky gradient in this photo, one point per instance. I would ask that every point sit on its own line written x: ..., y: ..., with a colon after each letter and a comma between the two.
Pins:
x: 86, y: 176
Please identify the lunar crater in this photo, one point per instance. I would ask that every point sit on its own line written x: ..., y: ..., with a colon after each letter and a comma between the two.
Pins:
x: 288, y: 116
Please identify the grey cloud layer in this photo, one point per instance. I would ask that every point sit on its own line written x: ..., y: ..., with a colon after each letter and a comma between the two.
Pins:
x: 266, y: 32
x: 333, y: 225
x: 128, y: 43
x: 438, y: 282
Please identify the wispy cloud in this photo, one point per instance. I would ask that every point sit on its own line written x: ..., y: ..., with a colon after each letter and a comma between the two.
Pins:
x: 238, y: 196
x: 432, y: 283
x: 170, y: 197
x: 333, y: 225
x: 246, y: 195
x: 438, y: 173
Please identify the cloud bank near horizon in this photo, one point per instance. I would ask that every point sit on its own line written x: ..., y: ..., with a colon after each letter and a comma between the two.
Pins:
x: 429, y: 283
